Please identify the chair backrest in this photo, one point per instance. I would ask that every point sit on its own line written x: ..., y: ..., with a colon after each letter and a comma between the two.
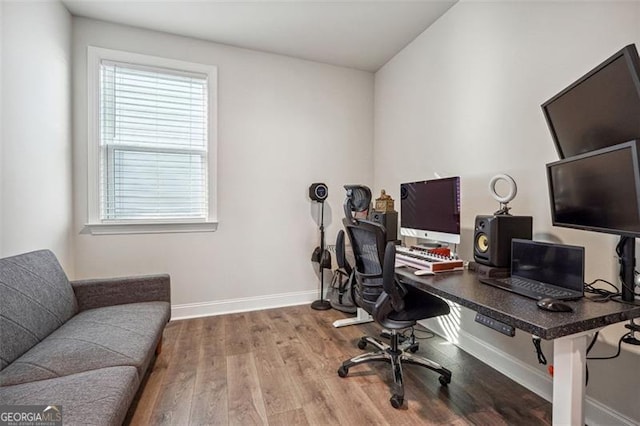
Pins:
x: 376, y: 287
x: 368, y: 240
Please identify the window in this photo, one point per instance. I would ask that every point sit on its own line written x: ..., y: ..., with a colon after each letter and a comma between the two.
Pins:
x: 152, y: 144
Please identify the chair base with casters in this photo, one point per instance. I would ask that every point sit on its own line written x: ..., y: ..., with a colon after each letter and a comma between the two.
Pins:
x: 392, y: 354
x: 414, y: 306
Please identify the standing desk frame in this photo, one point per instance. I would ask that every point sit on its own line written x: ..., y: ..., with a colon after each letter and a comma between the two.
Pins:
x: 568, y: 330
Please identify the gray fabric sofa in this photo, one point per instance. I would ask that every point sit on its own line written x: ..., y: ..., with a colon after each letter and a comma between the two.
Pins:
x: 83, y: 345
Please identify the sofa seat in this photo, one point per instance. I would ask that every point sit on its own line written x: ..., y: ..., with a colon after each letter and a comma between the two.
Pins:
x: 119, y: 335
x: 97, y: 397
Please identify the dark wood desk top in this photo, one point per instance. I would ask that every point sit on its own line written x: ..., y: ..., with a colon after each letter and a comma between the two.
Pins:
x: 464, y: 288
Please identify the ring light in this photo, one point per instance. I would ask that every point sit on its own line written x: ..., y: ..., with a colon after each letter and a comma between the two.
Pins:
x: 513, y: 188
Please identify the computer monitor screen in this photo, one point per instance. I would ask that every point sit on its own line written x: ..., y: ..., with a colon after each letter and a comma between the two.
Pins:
x: 597, y: 191
x: 558, y: 264
x: 600, y: 109
x: 430, y: 209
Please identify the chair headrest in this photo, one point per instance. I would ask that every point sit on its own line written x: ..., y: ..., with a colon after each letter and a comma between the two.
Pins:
x: 358, y: 199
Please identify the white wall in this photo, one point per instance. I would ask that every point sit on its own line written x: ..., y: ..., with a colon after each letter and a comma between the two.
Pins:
x: 35, y: 166
x: 283, y: 124
x: 464, y: 99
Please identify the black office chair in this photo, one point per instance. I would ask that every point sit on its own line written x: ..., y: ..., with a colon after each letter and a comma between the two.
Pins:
x: 392, y: 304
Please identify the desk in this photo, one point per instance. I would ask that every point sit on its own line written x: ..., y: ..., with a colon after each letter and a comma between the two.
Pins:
x: 568, y: 330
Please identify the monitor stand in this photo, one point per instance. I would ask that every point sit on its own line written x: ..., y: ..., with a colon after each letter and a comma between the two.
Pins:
x: 627, y: 247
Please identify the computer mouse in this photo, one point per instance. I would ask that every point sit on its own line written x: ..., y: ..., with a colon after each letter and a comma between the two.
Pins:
x: 421, y: 272
x: 553, y: 305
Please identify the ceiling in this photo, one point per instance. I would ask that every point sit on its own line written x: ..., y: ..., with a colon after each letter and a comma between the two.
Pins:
x: 358, y: 33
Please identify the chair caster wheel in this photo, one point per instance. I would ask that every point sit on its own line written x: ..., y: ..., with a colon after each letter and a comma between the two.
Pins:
x: 343, y: 371
x: 444, y: 380
x: 362, y: 344
x: 396, y: 401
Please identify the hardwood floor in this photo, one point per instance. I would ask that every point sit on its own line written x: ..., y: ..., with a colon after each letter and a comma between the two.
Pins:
x: 278, y: 367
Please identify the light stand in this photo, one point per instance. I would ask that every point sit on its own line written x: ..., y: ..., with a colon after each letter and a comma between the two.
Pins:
x: 321, y: 304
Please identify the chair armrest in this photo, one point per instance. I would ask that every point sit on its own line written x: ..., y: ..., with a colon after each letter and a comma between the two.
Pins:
x: 389, y: 282
x: 341, y: 253
x: 98, y: 293
x: 382, y: 308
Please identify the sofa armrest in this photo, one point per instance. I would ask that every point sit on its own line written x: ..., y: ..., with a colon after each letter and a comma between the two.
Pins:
x: 98, y: 293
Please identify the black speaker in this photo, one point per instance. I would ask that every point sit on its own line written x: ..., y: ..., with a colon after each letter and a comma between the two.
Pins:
x: 387, y: 219
x: 318, y: 191
x: 492, y: 238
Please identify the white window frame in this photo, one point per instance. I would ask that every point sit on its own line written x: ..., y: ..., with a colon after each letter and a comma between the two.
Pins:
x: 95, y: 224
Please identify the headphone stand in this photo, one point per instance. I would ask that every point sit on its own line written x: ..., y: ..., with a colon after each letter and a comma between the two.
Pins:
x: 321, y: 304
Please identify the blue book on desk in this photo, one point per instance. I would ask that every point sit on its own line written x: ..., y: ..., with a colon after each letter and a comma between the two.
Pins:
x: 540, y: 270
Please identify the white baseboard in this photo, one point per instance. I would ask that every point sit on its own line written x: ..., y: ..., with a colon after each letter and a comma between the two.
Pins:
x: 245, y: 304
x: 537, y: 382
x: 597, y: 413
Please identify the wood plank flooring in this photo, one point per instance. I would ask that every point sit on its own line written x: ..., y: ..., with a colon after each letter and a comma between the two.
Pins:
x: 278, y: 367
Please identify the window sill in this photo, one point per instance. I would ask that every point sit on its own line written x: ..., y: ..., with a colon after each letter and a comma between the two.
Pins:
x: 148, y: 228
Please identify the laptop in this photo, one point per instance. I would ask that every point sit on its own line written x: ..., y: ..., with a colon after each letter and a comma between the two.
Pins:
x: 540, y: 270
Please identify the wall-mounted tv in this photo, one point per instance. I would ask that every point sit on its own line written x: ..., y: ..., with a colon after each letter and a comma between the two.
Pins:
x: 600, y: 109
x: 598, y: 191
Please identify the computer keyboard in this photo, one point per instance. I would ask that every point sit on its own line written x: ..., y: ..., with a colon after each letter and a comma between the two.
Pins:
x: 422, y: 260
x: 527, y: 288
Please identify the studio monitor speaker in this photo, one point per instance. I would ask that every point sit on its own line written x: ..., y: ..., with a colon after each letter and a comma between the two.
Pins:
x: 387, y: 219
x: 318, y: 191
x: 492, y: 238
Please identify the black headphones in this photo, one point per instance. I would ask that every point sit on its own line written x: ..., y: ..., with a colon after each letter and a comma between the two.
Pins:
x: 323, y: 258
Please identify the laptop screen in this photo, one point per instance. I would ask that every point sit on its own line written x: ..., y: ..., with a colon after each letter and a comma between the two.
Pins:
x: 557, y: 264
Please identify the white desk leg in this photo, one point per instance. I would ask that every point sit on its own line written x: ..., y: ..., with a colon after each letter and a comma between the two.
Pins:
x: 361, y: 317
x: 569, y: 367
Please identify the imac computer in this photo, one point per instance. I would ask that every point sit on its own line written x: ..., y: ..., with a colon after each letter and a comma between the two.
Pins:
x: 430, y: 210
x: 600, y: 109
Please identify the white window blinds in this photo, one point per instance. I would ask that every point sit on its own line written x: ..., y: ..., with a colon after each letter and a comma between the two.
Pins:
x: 153, y: 143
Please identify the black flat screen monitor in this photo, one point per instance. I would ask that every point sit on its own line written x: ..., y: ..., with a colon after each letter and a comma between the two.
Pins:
x: 430, y: 209
x: 597, y: 191
x: 600, y: 109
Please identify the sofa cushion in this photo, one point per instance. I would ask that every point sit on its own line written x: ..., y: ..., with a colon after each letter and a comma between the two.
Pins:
x: 97, y: 397
x: 35, y: 299
x: 104, y: 337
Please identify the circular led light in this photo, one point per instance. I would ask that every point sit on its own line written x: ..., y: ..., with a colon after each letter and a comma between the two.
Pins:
x: 513, y: 188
